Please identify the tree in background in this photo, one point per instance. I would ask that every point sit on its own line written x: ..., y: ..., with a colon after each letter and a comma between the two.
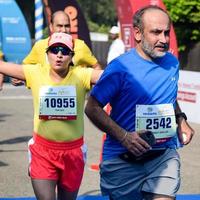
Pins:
x: 100, y: 15
x: 185, y: 15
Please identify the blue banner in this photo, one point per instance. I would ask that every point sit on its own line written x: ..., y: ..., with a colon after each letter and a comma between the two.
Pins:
x: 15, y: 38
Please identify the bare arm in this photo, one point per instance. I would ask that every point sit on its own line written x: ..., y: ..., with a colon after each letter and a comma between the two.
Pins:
x: 96, y: 74
x: 183, y: 127
x: 11, y: 69
x: 100, y: 118
x: 97, y: 66
x: 32, y: 58
x: 1, y: 75
x: 1, y: 81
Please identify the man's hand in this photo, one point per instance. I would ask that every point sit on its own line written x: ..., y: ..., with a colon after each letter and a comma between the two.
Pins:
x: 185, y: 131
x: 135, y: 144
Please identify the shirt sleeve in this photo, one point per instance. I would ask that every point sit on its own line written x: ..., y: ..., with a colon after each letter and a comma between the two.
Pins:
x: 29, y: 72
x: 83, y: 55
x: 109, y: 85
x: 84, y: 75
x: 33, y: 56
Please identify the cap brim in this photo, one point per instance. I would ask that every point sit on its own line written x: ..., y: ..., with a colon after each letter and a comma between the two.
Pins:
x: 58, y: 45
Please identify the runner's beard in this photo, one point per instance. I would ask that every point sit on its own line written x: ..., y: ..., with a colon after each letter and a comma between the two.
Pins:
x: 151, y: 52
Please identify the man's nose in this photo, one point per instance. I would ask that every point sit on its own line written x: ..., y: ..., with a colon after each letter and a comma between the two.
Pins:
x: 63, y: 29
x: 163, y: 38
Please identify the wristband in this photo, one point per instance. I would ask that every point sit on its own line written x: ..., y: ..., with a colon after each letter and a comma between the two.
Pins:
x: 124, y: 137
x: 181, y: 114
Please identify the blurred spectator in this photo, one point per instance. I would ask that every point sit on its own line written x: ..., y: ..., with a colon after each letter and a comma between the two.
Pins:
x: 117, y: 46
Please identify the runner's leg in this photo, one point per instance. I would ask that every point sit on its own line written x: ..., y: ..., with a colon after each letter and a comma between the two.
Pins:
x: 44, y: 189
x: 64, y: 194
x: 150, y: 196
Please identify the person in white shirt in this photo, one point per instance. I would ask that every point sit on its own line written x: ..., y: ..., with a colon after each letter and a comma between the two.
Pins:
x: 117, y: 46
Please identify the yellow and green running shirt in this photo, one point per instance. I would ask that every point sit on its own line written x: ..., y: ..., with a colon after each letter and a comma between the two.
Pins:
x: 57, y: 99
x: 83, y: 56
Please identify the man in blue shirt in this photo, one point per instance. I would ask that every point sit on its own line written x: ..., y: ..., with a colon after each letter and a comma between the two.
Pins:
x: 141, y: 87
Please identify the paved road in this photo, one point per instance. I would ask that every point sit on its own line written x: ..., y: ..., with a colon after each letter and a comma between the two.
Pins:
x: 16, y: 128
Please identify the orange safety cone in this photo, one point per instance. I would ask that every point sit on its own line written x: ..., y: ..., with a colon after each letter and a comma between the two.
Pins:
x: 95, y: 166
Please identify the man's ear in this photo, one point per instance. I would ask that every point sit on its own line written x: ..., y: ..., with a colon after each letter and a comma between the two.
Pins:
x: 51, y: 28
x: 137, y: 34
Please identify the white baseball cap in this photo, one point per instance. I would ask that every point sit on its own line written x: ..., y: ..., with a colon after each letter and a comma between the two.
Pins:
x: 114, y: 30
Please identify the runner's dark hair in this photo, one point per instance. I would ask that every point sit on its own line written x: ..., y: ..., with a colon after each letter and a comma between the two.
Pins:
x: 138, y: 17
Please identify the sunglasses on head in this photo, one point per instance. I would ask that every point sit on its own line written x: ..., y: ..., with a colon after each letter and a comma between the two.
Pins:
x: 65, y: 51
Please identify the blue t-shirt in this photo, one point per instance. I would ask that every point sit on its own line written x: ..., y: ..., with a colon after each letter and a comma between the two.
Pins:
x: 129, y: 80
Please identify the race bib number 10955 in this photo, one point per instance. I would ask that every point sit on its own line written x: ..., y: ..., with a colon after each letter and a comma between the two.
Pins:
x: 58, y: 102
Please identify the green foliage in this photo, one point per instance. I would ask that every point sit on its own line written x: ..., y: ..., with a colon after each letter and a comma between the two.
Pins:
x: 94, y: 27
x: 45, y: 32
x: 100, y: 15
x: 185, y: 15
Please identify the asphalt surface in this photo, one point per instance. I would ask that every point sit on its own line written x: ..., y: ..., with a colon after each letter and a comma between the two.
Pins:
x: 16, y: 128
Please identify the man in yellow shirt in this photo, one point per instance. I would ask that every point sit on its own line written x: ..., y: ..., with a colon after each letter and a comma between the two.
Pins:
x: 57, y: 150
x: 60, y: 22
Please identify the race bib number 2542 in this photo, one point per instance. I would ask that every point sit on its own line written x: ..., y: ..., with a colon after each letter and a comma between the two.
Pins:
x: 160, y: 119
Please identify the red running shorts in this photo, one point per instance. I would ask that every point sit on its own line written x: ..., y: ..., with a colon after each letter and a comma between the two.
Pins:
x: 60, y: 161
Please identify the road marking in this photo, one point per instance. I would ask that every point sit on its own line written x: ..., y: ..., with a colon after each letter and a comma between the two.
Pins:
x: 15, y: 97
